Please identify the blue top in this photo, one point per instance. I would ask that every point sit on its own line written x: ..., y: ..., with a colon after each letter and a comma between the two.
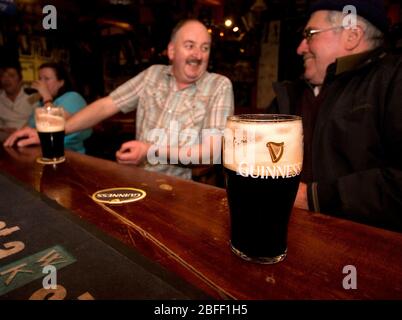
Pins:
x: 72, y: 102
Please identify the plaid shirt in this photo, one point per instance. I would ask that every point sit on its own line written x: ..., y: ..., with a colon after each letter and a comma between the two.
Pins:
x: 154, y: 93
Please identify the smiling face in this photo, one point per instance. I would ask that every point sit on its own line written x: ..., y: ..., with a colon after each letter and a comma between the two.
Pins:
x: 48, y: 76
x: 322, y: 49
x: 189, y: 53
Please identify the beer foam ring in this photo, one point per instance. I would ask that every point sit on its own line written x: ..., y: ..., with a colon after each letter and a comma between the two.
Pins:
x: 50, y: 161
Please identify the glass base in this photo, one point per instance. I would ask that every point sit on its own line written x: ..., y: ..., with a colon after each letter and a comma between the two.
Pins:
x: 50, y: 161
x: 263, y: 260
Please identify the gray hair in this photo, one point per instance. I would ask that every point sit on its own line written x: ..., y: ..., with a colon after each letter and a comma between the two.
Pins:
x: 372, y: 34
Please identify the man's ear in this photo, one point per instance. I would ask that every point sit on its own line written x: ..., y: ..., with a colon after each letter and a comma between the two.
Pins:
x: 170, y: 51
x: 354, y: 37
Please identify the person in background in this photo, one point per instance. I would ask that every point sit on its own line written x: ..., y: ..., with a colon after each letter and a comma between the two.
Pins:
x: 183, y: 93
x: 54, y: 86
x: 350, y: 102
x: 15, y: 106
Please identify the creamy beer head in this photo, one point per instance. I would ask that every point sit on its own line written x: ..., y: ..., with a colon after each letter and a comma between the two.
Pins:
x: 49, y: 119
x: 264, y: 145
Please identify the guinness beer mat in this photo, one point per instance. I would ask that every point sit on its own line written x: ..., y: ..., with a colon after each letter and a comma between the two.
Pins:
x: 118, y: 195
x: 39, y: 238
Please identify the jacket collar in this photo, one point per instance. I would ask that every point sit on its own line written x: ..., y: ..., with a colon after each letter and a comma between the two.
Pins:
x: 354, y: 62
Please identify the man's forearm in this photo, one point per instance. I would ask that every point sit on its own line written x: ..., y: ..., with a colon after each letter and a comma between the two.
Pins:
x: 91, y: 115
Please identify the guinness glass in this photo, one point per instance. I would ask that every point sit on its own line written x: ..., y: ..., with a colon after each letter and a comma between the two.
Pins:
x: 50, y: 126
x: 262, y: 157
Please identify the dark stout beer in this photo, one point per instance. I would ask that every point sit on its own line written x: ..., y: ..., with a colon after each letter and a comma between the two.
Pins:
x: 263, y: 157
x: 260, y: 209
x: 52, y: 144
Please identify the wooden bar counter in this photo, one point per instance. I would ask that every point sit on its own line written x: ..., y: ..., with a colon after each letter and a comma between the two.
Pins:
x: 184, y: 227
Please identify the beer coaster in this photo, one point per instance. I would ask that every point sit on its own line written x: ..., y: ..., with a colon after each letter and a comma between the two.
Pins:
x: 49, y: 161
x: 118, y: 195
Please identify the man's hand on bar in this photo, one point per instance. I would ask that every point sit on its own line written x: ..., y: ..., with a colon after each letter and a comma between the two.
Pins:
x: 132, y: 152
x: 23, y: 137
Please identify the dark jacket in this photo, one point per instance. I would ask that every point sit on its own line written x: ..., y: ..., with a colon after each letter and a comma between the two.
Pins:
x: 357, y: 140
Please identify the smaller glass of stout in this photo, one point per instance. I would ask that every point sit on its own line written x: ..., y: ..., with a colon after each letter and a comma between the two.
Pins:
x: 50, y: 123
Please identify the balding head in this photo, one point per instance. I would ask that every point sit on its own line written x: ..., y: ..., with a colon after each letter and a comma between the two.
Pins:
x: 188, y: 51
x: 182, y: 23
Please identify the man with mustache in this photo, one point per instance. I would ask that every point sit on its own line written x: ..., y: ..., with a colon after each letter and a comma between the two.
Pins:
x: 182, y: 99
x: 350, y: 102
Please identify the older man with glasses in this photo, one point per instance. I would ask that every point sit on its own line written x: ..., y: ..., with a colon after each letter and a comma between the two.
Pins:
x: 352, y: 116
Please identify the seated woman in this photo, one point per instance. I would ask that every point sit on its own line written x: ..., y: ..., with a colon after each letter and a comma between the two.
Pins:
x: 55, y: 86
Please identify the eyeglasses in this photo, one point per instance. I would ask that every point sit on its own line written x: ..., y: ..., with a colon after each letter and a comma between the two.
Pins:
x: 308, y: 33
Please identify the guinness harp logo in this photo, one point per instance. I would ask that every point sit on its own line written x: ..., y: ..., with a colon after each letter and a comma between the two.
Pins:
x: 275, y: 150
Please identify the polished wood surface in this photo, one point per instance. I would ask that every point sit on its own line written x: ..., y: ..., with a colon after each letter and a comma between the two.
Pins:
x: 184, y: 226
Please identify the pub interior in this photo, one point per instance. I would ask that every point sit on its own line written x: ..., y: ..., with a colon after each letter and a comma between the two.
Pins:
x: 104, y: 43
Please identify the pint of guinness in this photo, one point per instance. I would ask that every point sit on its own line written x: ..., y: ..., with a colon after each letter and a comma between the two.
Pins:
x: 50, y: 125
x: 262, y: 157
